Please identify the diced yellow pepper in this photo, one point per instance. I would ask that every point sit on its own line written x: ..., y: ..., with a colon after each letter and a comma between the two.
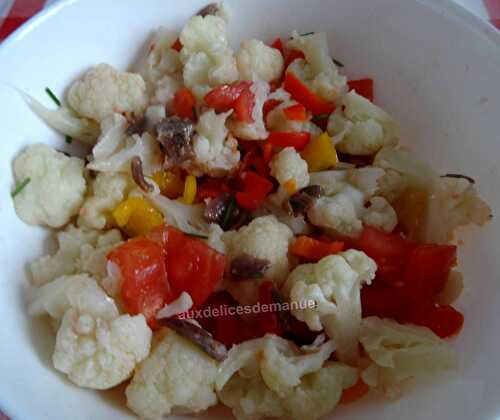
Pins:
x: 189, y: 190
x: 136, y: 216
x: 290, y: 186
x: 169, y: 182
x: 320, y: 153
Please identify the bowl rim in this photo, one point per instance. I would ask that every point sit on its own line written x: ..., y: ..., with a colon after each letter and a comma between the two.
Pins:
x: 449, y: 9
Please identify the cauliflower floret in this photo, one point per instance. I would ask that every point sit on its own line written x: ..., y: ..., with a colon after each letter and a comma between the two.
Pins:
x: 215, y: 151
x: 362, y: 128
x: 255, y: 130
x: 79, y: 251
x: 334, y: 284
x: 107, y: 190
x: 399, y: 352
x: 153, y: 115
x: 288, y: 165
x: 258, y: 61
x: 166, y: 88
x: 366, y: 179
x: 276, y: 119
x: 208, y: 60
x: 55, y: 188
x: 104, y: 90
x: 380, y: 214
x: 214, y: 240
x: 160, y: 58
x: 271, y: 377
x: 79, y: 291
x: 98, y: 353
x: 317, y: 71
x: 176, y: 375
x: 265, y: 238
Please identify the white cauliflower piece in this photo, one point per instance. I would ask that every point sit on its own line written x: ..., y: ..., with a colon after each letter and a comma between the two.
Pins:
x: 277, y: 121
x: 214, y: 240
x: 400, y: 352
x: 165, y: 89
x: 317, y: 71
x: 208, y: 60
x: 266, y: 238
x: 98, y: 353
x: 380, y: 214
x: 288, y: 165
x: 362, y: 128
x: 160, y: 59
x: 255, y: 130
x: 366, y: 179
x: 215, y: 151
x: 176, y: 375
x: 79, y: 251
x: 334, y: 284
x: 258, y: 61
x: 153, y: 115
x: 113, y: 133
x: 56, y: 186
x: 79, y: 292
x: 271, y: 377
x: 107, y: 191
x: 104, y: 90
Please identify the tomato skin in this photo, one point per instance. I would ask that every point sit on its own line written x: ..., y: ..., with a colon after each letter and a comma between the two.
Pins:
x: 184, y: 104
x: 145, y: 288
x: 192, y: 266
x: 363, y: 87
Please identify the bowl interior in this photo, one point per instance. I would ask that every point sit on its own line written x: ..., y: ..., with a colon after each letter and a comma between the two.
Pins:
x: 436, y: 69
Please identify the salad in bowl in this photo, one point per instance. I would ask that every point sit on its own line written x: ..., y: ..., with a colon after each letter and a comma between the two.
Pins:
x: 245, y: 230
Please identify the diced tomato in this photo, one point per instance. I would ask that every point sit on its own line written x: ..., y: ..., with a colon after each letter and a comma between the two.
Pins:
x: 243, y: 107
x: 145, y: 288
x: 255, y: 190
x: 177, y: 46
x: 295, y: 112
x: 211, y: 188
x: 278, y: 45
x: 184, y: 104
x: 355, y: 392
x: 269, y: 105
x: 301, y: 93
x: 289, y: 139
x: 363, y: 87
x: 444, y: 321
x: 223, y: 98
x: 427, y: 268
x: 292, y: 56
x: 192, y: 265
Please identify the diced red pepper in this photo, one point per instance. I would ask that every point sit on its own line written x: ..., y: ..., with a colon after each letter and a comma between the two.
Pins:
x: 255, y: 190
x: 177, y: 46
x: 223, y: 98
x: 363, y: 87
x: 295, y: 112
x: 184, y: 104
x: 386, y: 302
x: 266, y: 322
x: 269, y: 105
x: 444, y: 321
x: 314, y: 250
x: 267, y: 152
x: 292, y: 56
x: 211, y: 188
x: 301, y: 93
x: 278, y: 45
x: 355, y: 392
x: 243, y: 107
x: 289, y: 139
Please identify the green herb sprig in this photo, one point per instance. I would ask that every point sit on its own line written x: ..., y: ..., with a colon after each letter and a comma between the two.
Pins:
x: 20, y: 187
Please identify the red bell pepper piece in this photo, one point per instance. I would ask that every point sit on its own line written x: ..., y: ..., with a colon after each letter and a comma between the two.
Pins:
x: 223, y: 98
x: 211, y: 188
x: 295, y: 112
x: 177, y: 46
x: 314, y: 250
x: 255, y: 190
x: 289, y: 139
x: 267, y: 152
x: 278, y: 45
x: 184, y: 104
x: 292, y: 56
x: 444, y: 321
x: 243, y: 106
x: 301, y: 93
x: 267, y: 322
x: 363, y: 87
x: 269, y: 105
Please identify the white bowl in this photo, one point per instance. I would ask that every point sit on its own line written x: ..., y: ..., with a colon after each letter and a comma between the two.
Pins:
x: 436, y: 68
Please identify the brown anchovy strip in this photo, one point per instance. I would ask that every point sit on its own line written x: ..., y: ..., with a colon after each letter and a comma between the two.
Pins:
x: 136, y: 127
x: 175, y: 135
x: 248, y: 267
x: 138, y: 175
x: 302, y: 201
x: 216, y: 208
x: 198, y: 336
x: 468, y: 178
x: 283, y: 316
x: 209, y: 9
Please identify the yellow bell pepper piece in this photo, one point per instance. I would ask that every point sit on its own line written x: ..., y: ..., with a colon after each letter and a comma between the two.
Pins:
x: 169, y: 182
x: 189, y: 190
x: 136, y: 216
x: 320, y: 153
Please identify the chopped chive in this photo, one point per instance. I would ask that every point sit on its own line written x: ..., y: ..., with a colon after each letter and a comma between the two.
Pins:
x: 52, y: 96
x: 20, y: 187
x: 68, y: 139
x: 307, y: 33
x: 228, y: 213
x: 320, y: 117
x: 337, y: 62
x: 195, y: 235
